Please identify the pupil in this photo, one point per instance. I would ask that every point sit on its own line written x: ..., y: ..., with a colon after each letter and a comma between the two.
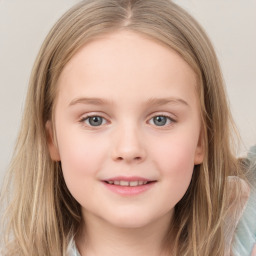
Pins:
x: 95, y: 120
x: 160, y: 120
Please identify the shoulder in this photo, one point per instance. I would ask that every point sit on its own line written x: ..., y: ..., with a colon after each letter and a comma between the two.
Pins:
x: 238, y: 192
x: 245, y: 233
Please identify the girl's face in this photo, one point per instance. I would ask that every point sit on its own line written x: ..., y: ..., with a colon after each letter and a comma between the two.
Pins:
x: 127, y: 129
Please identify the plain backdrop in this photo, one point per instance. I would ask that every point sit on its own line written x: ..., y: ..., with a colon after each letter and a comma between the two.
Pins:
x: 231, y: 25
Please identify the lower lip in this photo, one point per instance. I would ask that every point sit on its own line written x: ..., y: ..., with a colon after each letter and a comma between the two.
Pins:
x: 129, y: 190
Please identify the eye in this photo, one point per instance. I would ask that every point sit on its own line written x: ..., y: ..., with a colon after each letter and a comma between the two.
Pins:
x: 94, y: 120
x: 161, y: 120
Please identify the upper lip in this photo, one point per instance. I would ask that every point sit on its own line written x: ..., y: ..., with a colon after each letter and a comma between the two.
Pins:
x: 131, y: 178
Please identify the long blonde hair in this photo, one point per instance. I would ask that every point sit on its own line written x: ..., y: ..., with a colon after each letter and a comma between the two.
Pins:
x: 41, y: 215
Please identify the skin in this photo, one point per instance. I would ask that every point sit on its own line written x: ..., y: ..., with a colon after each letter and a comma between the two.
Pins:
x: 133, y: 79
x: 254, y: 251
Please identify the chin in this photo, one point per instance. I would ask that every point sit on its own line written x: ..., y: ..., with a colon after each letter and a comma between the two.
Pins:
x: 130, y: 224
x: 131, y: 220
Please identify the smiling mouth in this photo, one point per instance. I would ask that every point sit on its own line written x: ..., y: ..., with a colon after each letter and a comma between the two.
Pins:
x: 128, y: 183
x: 129, y: 186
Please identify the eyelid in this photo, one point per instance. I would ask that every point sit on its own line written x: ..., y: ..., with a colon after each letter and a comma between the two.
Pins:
x: 169, y: 116
x: 92, y: 114
x: 102, y: 115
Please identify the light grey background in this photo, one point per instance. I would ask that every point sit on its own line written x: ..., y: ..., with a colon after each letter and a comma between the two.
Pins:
x: 231, y: 24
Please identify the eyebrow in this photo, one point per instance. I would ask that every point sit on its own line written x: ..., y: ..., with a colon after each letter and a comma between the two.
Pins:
x: 165, y: 101
x: 89, y: 101
x: 149, y: 102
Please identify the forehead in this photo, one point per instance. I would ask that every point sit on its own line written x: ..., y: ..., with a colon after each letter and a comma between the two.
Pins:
x: 128, y: 64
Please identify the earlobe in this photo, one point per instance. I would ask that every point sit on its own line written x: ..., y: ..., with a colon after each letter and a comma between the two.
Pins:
x: 52, y: 145
x: 199, y: 156
x: 200, y: 150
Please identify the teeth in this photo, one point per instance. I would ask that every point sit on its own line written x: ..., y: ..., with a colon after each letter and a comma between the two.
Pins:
x: 127, y: 183
x: 124, y: 183
x: 134, y: 183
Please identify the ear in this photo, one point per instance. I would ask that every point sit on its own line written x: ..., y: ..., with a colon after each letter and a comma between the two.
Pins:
x: 52, y: 145
x: 200, y: 149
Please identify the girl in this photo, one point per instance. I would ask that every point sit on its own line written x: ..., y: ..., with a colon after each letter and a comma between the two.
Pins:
x: 125, y: 145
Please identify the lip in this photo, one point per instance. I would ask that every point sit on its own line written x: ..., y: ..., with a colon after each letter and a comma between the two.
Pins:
x: 126, y: 178
x: 129, y: 190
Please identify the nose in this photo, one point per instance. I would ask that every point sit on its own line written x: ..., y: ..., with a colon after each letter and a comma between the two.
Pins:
x: 128, y: 146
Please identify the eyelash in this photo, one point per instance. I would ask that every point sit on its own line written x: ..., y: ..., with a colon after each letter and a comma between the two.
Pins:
x: 170, y: 119
x: 84, y: 119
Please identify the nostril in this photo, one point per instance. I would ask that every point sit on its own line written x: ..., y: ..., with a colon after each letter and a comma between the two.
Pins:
x: 137, y: 158
x: 128, y: 155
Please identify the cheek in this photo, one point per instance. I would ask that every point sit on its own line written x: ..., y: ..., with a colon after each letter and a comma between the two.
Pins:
x: 174, y: 158
x: 81, y: 159
x: 175, y: 152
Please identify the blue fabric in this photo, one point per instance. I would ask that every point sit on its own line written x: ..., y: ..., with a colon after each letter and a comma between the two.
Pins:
x: 72, y: 250
x: 245, y: 236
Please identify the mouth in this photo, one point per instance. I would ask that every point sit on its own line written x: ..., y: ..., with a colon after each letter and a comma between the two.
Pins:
x: 126, y: 183
x: 129, y: 186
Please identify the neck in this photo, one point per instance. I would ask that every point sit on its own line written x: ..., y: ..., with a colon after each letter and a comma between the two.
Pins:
x: 101, y: 238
